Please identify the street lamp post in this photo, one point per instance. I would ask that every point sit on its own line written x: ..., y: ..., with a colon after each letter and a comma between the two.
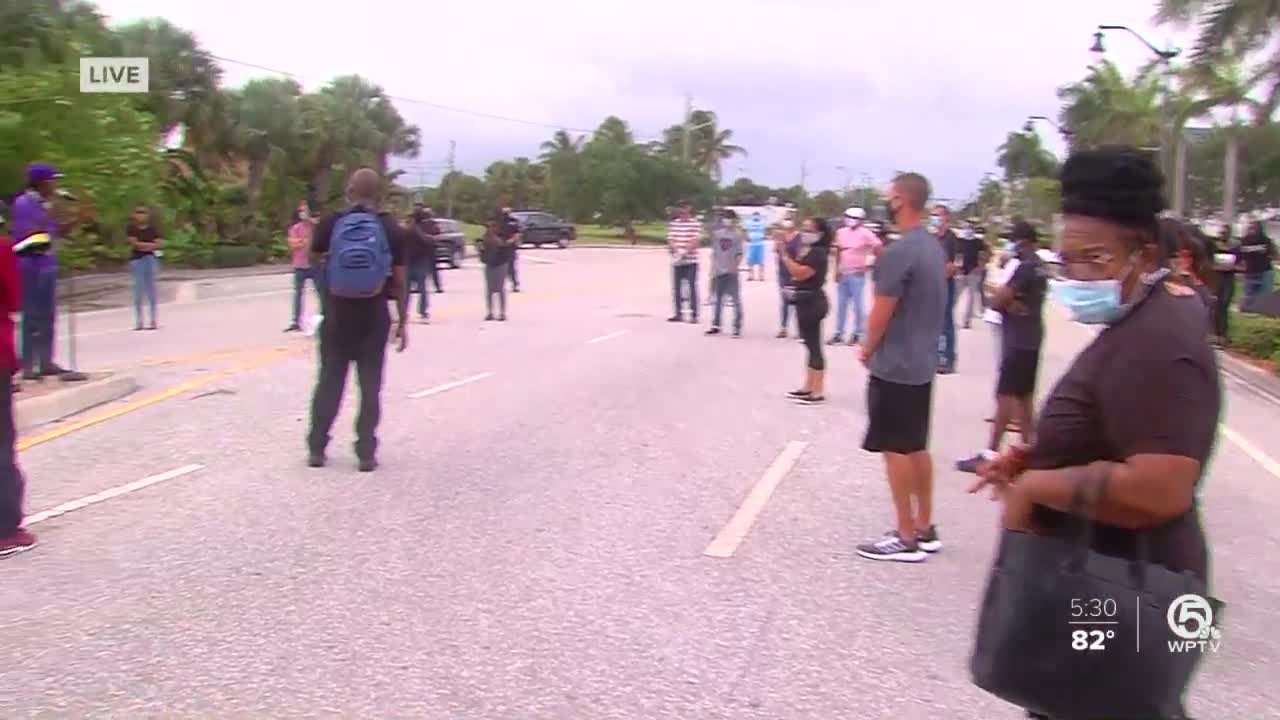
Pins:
x: 1064, y: 132
x: 1171, y: 156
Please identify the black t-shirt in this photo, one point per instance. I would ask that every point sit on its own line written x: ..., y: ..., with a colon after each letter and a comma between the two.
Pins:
x: 816, y: 256
x: 971, y: 253
x: 1257, y: 252
x: 497, y: 250
x: 144, y: 234
x: 1022, y: 326
x: 320, y: 240
x: 1146, y: 385
x: 422, y: 234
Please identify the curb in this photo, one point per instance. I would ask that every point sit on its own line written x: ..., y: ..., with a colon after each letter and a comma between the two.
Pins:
x: 617, y: 246
x: 75, y: 398
x: 1254, y: 379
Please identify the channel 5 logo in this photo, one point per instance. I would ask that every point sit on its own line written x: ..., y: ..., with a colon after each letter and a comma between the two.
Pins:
x: 1190, y: 617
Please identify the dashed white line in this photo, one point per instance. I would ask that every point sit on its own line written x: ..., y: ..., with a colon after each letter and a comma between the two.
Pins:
x: 735, y: 531
x: 610, y: 336
x: 449, y: 386
x: 105, y: 495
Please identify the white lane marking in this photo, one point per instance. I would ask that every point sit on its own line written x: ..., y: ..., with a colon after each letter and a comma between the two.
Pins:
x: 540, y: 260
x: 105, y: 495
x: 449, y: 386
x: 735, y: 531
x: 1253, y: 451
x: 610, y: 336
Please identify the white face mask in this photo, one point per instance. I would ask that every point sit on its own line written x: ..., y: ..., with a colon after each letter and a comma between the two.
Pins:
x: 809, y: 238
x: 852, y: 222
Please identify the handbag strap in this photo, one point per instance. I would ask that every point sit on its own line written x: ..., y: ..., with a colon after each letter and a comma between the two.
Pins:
x: 1085, y: 496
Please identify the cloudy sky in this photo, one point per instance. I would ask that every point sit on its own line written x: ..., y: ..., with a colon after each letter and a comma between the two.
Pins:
x: 869, y: 85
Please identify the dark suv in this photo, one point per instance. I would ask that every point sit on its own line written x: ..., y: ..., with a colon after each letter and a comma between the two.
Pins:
x: 540, y: 228
x: 451, y: 243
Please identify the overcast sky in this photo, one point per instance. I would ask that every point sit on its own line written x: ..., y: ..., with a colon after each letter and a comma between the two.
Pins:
x: 871, y: 85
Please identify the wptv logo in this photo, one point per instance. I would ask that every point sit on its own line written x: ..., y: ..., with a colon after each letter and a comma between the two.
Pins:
x: 1190, y: 617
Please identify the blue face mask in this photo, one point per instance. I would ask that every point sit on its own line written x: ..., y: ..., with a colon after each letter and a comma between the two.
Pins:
x: 1093, y: 302
x: 1098, y: 302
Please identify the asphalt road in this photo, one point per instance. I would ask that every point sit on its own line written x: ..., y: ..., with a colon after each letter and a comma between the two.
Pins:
x: 533, y: 545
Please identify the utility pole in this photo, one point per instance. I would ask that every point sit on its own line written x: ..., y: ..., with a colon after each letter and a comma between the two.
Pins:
x: 804, y: 175
x: 685, y: 140
x: 448, y: 190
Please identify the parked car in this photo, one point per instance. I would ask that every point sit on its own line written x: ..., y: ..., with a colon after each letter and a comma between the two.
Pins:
x: 451, y: 243
x: 540, y: 228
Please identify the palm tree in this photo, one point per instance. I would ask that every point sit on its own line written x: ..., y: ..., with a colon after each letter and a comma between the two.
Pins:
x: 1232, y: 29
x: 268, y: 122
x: 184, y: 77
x: 560, y: 145
x: 1107, y: 108
x: 1022, y: 156
x: 710, y: 146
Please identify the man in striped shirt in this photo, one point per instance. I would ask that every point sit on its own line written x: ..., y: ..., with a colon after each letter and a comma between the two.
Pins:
x: 683, y: 237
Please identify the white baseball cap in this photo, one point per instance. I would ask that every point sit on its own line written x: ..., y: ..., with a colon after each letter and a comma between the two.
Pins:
x: 856, y: 213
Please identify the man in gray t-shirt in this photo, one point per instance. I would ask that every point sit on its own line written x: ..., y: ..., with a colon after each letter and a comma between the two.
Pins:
x: 901, y: 352
x: 912, y: 271
x: 727, y: 244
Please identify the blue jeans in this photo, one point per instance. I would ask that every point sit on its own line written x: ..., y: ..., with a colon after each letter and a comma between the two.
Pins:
x: 1256, y: 285
x: 39, y: 310
x: 947, y: 343
x: 144, y: 270
x: 300, y: 278
x: 850, y: 289
x: 418, y: 274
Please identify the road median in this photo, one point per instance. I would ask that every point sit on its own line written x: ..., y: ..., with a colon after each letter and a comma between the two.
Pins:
x: 51, y: 400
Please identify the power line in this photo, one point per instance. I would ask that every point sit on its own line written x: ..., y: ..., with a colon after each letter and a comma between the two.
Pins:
x: 417, y: 101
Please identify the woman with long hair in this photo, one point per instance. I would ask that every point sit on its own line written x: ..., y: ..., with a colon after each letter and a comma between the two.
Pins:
x: 806, y: 266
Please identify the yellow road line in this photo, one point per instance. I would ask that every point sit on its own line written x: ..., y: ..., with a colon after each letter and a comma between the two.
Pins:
x: 260, y: 360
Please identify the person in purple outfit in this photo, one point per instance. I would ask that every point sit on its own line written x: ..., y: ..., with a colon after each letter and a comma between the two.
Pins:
x: 34, y: 230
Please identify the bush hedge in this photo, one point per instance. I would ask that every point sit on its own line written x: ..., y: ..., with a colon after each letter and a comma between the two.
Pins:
x: 1256, y: 335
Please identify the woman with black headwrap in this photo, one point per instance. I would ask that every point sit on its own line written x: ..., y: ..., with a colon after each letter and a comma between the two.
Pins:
x: 1135, y: 417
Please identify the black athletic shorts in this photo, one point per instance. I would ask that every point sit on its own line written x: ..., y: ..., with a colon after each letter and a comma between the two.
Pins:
x: 897, y: 417
x: 1018, y: 369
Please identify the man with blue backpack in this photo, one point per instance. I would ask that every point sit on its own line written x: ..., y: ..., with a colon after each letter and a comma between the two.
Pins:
x: 364, y: 267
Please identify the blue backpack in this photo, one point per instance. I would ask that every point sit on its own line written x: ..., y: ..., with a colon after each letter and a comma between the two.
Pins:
x: 359, y: 256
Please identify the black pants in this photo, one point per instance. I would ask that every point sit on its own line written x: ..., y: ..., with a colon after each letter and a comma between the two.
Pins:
x: 1222, y: 308
x: 12, y: 486
x: 809, y: 315
x: 515, y: 277
x: 347, y: 338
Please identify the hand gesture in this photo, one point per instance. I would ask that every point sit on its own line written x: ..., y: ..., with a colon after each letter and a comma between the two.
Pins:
x: 1000, y: 473
x: 401, y: 336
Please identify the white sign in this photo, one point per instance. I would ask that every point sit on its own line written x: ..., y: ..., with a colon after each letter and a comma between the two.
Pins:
x: 115, y: 74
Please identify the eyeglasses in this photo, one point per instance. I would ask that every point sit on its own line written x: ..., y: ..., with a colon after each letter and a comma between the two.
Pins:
x: 1087, y: 265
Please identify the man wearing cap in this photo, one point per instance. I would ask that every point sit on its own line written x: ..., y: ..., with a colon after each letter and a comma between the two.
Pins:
x: 856, y: 248
x: 34, y: 229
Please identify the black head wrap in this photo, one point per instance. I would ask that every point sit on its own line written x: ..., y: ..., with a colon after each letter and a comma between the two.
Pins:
x: 1116, y: 183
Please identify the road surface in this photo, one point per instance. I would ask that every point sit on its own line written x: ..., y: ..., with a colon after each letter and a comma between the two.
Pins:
x: 532, y: 546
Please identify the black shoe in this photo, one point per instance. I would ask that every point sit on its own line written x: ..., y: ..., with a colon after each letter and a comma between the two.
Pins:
x: 53, y: 370
x: 781, y: 334
x: 946, y: 370
x: 367, y: 465
x: 439, y: 290
x: 693, y: 320
x: 139, y: 327
x: 675, y: 318
x: 295, y: 327
x: 515, y: 289
x: 315, y: 459
x: 835, y: 340
x: 31, y: 375
x: 797, y: 394
x: 737, y: 333
x: 713, y: 331
x: 810, y: 400
x: 891, y: 547
x: 488, y: 318
x: 970, y: 464
x: 854, y: 339
x: 502, y: 318
x: 928, y: 540
x: 153, y: 326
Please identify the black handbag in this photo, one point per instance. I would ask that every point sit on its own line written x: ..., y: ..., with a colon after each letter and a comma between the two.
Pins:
x: 1072, y: 634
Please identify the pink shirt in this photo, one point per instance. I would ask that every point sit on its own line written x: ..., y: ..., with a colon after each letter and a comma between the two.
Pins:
x: 300, y: 244
x: 857, y: 246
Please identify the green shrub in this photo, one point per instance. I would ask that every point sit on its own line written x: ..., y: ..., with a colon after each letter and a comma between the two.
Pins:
x: 235, y: 256
x: 184, y: 247
x: 1256, y: 335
